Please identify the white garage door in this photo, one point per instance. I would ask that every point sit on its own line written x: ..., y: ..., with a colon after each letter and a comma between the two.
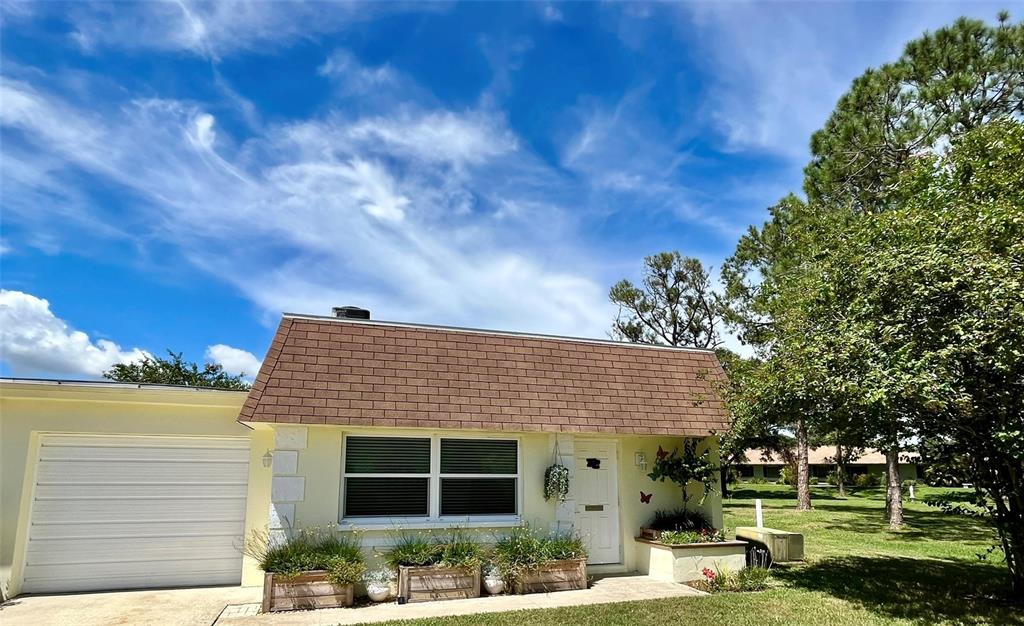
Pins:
x: 112, y: 512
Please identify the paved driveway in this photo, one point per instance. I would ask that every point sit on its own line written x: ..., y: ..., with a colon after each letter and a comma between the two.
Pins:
x: 168, y: 607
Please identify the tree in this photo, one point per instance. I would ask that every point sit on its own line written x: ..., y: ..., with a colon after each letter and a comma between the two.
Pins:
x: 675, y: 304
x: 175, y: 371
x: 924, y: 333
x: 943, y: 85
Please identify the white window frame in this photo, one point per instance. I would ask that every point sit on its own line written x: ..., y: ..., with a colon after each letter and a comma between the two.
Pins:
x: 433, y: 519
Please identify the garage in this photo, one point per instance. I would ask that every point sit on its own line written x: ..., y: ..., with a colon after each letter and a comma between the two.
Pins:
x: 124, y: 512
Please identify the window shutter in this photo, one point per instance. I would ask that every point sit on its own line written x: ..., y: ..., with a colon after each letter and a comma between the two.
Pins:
x: 387, y: 497
x: 478, y: 496
x: 387, y: 455
x: 479, y: 456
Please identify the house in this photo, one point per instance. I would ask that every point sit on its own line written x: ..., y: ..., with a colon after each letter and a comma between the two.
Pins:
x: 376, y: 425
x: 351, y: 423
x: 767, y: 465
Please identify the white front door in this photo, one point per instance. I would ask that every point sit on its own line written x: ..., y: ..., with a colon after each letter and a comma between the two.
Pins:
x: 595, y: 488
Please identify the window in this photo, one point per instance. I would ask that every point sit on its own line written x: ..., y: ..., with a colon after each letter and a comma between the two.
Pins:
x: 430, y: 478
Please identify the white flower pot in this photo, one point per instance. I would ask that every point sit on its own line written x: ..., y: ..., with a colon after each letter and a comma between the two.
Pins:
x: 494, y: 586
x: 378, y: 593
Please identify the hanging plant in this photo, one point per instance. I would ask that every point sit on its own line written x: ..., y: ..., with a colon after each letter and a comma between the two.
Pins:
x: 556, y: 482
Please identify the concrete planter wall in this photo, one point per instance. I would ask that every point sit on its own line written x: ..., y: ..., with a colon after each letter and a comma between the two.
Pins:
x: 308, y: 590
x: 554, y: 576
x: 432, y: 582
x: 686, y: 562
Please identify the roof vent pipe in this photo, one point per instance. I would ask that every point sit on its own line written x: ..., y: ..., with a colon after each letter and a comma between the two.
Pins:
x: 350, y: 313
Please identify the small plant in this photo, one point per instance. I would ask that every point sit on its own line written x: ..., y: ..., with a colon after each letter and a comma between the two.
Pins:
x: 412, y: 549
x: 787, y: 475
x: 458, y: 549
x: 753, y: 579
x: 686, y: 467
x: 556, y: 482
x: 867, y: 480
x: 680, y: 537
x: 748, y: 579
x: 381, y: 576
x: 679, y: 519
x: 344, y: 572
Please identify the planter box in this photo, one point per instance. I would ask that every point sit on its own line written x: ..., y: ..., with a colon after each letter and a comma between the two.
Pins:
x: 431, y: 582
x: 686, y: 562
x: 650, y: 533
x: 308, y: 590
x: 554, y: 576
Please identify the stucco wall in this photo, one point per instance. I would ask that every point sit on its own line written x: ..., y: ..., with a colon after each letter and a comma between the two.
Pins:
x: 307, y: 481
x: 30, y: 409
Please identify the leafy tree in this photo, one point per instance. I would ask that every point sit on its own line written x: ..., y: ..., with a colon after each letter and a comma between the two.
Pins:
x: 918, y: 317
x: 675, y: 304
x: 175, y: 371
x: 685, y: 467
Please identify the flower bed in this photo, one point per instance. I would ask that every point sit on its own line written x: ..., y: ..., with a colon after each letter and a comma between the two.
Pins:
x: 311, y: 569
x: 685, y: 562
x: 436, y: 568
x: 533, y: 562
x: 674, y: 520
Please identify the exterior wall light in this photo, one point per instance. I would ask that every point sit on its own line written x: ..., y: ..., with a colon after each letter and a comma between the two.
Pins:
x: 268, y: 458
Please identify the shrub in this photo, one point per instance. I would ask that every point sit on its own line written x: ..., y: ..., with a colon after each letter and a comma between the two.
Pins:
x: 678, y: 537
x: 525, y: 548
x: 679, y: 519
x: 867, y: 480
x: 752, y: 579
x: 412, y: 549
x: 307, y: 550
x: 747, y: 579
x: 787, y: 476
x: 757, y: 480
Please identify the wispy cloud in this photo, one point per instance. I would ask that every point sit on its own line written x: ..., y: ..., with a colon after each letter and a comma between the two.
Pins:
x: 395, y: 211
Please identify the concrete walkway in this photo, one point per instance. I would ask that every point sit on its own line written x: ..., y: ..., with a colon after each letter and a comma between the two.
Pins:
x: 605, y: 590
x: 197, y: 606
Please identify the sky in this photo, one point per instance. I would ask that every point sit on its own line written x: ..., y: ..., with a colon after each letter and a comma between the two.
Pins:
x: 175, y: 175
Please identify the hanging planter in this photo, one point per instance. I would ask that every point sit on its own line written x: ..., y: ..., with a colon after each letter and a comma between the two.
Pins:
x: 556, y: 482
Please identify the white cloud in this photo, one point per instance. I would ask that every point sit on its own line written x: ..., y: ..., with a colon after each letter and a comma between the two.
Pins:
x: 35, y: 341
x: 234, y: 360
x: 344, y: 68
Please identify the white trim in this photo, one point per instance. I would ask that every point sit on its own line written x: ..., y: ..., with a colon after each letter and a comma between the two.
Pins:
x: 433, y: 519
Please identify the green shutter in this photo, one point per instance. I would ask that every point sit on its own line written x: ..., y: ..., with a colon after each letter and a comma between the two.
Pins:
x: 387, y: 497
x: 478, y: 496
x: 387, y: 455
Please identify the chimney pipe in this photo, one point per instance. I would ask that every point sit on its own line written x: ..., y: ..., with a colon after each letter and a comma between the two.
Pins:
x: 350, y: 313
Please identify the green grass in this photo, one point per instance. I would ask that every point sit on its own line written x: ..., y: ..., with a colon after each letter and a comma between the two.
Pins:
x: 857, y: 572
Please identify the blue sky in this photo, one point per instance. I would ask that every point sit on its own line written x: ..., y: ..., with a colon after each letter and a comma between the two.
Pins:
x: 175, y: 175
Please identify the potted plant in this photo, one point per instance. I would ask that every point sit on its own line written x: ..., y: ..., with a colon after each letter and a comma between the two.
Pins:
x: 436, y: 568
x: 310, y: 569
x: 556, y: 482
x: 378, y: 584
x: 532, y: 562
x: 493, y: 582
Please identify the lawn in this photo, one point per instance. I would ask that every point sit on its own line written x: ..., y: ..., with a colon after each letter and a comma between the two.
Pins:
x: 856, y: 572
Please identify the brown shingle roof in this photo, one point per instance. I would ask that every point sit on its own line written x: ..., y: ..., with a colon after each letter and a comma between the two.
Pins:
x: 368, y: 373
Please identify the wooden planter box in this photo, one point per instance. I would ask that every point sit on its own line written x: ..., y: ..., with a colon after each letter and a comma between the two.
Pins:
x: 308, y: 590
x: 554, y: 576
x: 650, y: 533
x: 431, y: 582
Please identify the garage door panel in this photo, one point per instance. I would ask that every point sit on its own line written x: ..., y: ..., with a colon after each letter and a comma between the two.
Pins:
x: 112, y: 512
x: 103, y: 530
x: 57, y: 551
x: 139, y: 470
x: 51, y: 579
x: 93, y: 491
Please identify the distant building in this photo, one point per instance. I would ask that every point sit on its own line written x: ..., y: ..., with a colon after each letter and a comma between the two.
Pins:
x: 765, y: 464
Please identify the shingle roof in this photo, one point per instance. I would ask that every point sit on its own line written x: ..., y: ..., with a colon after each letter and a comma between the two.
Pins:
x: 370, y: 373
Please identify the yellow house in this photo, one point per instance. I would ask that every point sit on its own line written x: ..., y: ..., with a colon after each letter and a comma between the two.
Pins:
x: 350, y: 424
x: 381, y: 425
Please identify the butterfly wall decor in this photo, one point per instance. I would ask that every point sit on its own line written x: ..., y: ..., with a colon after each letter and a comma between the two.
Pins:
x: 645, y: 498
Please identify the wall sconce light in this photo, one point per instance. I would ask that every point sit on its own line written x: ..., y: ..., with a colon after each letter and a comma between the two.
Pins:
x: 268, y: 458
x: 640, y: 459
